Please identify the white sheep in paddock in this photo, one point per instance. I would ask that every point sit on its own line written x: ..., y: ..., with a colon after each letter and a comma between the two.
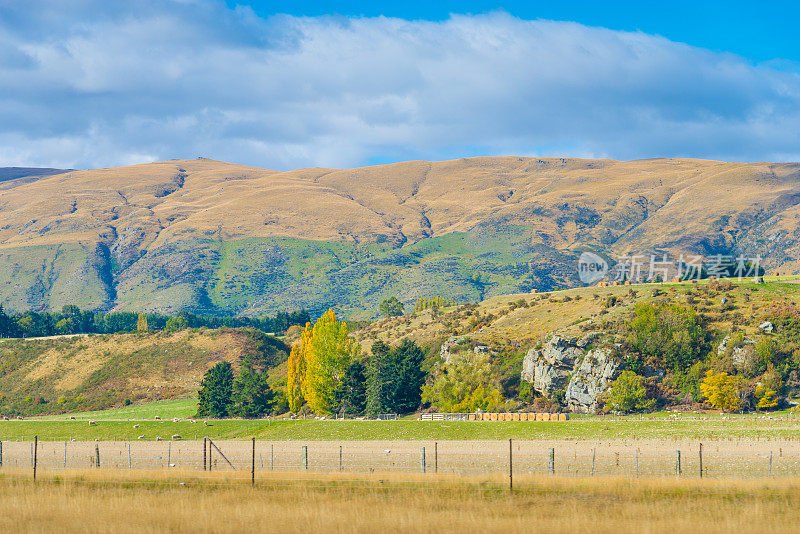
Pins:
x: 135, y: 426
x: 92, y: 423
x: 140, y: 437
x: 158, y: 418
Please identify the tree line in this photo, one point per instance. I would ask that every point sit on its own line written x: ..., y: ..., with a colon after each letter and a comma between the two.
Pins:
x: 72, y: 320
x: 327, y: 375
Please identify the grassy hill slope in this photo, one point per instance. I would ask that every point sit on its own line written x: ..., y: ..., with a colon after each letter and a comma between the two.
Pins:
x: 48, y: 376
x: 210, y: 236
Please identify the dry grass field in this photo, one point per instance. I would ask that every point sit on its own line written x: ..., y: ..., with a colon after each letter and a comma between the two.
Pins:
x: 78, y: 502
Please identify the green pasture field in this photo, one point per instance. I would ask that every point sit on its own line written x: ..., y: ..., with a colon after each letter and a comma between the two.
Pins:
x: 119, y: 424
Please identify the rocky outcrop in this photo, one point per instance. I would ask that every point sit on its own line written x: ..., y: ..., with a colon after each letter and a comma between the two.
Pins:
x: 591, y: 378
x: 550, y: 368
x: 563, y: 364
x: 742, y: 354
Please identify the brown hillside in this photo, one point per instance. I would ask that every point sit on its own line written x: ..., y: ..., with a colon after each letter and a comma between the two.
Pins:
x: 101, y: 234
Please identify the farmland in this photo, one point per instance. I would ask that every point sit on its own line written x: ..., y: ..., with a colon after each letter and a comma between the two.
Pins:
x: 78, y: 502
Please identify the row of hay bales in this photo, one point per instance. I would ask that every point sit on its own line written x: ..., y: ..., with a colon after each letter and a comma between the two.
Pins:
x: 518, y: 417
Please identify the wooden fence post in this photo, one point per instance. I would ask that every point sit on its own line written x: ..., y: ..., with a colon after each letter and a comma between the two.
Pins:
x: 305, y: 457
x: 701, y: 460
x: 435, y: 456
x: 35, y: 453
x: 510, y: 466
x: 205, y: 459
x: 594, y: 451
x: 253, y: 465
x: 422, y: 458
x: 340, y: 457
x: 552, y: 464
x: 678, y: 462
x: 97, y: 455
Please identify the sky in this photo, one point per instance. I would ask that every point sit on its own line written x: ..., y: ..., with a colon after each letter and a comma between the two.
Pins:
x: 283, y: 85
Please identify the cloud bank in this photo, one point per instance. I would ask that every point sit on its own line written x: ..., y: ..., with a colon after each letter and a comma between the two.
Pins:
x: 90, y: 83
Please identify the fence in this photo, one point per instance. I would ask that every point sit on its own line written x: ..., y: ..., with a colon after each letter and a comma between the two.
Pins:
x: 488, y: 416
x: 742, y: 458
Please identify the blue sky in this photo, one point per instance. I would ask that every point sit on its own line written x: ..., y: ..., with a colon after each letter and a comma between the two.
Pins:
x: 760, y: 31
x: 282, y: 85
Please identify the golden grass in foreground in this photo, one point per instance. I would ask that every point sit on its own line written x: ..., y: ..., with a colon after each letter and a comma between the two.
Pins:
x: 127, y: 502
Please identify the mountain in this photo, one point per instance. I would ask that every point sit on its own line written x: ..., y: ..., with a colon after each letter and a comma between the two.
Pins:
x: 217, y: 237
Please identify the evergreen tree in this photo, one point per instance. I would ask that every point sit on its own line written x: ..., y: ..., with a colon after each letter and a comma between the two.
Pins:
x: 215, y: 391
x: 408, y: 378
x: 351, y: 395
x: 391, y: 307
x: 380, y: 370
x: 252, y: 395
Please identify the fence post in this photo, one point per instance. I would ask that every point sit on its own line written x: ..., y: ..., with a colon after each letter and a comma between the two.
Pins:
x: 130, y: 463
x: 97, y: 455
x: 770, y: 463
x: 701, y: 460
x: 594, y: 451
x: 65, y: 455
x: 340, y: 457
x: 169, y: 453
x: 677, y: 462
x: 209, y: 454
x: 205, y: 460
x: 253, y: 465
x: 305, y: 457
x: 637, y: 462
x: 1, y: 454
x: 552, y: 464
x: 435, y: 456
x: 510, y: 466
x: 272, y: 457
x: 35, y: 454
x: 422, y: 458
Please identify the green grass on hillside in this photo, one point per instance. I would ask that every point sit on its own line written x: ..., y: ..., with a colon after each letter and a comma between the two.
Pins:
x: 167, y: 409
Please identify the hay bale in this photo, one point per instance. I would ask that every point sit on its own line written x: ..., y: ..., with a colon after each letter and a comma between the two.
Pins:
x: 540, y: 417
x: 563, y: 417
x: 515, y: 416
x: 471, y: 417
x: 494, y: 417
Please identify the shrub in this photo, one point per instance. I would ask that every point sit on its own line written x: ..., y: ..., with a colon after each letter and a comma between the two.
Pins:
x: 628, y: 394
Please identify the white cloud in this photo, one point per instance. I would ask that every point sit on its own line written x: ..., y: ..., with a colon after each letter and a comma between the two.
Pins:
x: 89, y: 83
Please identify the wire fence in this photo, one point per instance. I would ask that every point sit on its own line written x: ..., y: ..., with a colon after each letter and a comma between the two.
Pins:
x: 718, y: 459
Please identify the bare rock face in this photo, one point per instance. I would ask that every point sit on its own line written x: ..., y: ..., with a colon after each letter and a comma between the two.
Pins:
x: 591, y: 378
x: 563, y: 364
x: 549, y: 369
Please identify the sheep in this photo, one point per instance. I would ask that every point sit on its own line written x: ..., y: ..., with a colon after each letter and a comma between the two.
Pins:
x: 176, y: 437
x: 141, y: 437
x: 92, y: 423
x: 158, y: 418
x: 135, y: 426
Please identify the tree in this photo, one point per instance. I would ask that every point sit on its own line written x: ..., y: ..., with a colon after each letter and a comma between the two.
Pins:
x: 380, y: 370
x: 722, y: 391
x: 141, y: 323
x: 391, y: 307
x: 351, y: 395
x: 216, y: 390
x: 252, y: 395
x: 627, y: 394
x: 409, y: 378
x: 331, y: 351
x: 464, y: 386
x: 296, y: 370
x: 668, y: 334
x: 176, y: 323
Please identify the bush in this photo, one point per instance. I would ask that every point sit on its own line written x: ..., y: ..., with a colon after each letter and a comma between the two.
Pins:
x: 628, y: 394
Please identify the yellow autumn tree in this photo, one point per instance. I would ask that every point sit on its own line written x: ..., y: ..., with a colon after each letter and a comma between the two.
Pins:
x: 331, y: 350
x: 141, y: 323
x: 722, y: 391
x: 296, y: 370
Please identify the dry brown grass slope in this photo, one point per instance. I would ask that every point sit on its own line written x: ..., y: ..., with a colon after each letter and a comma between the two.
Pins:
x: 114, y: 217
